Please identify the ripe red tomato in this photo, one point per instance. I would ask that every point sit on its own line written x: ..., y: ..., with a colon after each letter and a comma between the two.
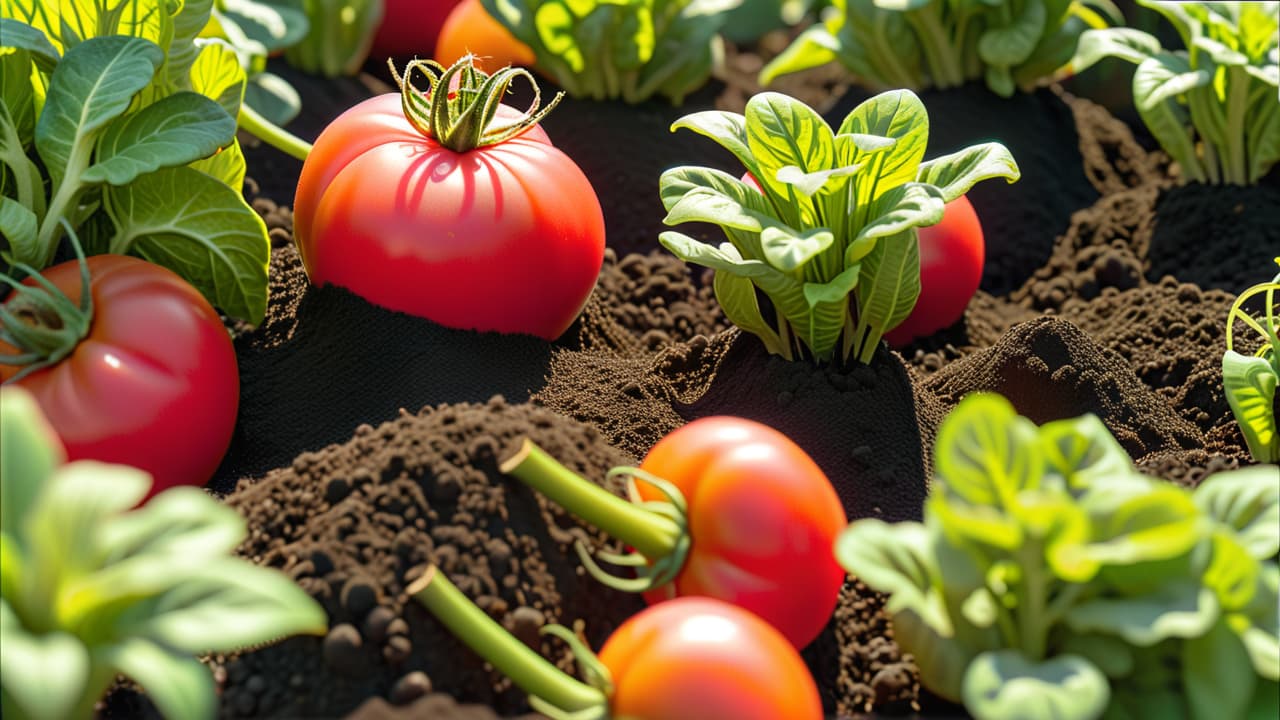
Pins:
x: 470, y: 29
x: 703, y: 659
x: 154, y: 384
x: 409, y: 28
x: 506, y: 237
x: 951, y: 257
x: 763, y: 518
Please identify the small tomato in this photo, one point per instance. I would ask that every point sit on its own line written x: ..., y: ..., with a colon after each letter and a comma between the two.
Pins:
x: 151, y: 383
x: 469, y: 29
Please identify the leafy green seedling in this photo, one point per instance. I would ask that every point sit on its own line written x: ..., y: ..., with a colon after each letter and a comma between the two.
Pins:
x: 1250, y: 380
x: 1215, y: 106
x: 91, y: 587
x: 620, y: 49
x: 339, y: 37
x: 920, y: 44
x: 256, y: 30
x: 1050, y: 579
x: 123, y: 124
x: 828, y: 229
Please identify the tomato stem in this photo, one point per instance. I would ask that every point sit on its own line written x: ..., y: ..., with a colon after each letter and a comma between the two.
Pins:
x: 545, y: 683
x: 272, y: 134
x: 42, y: 322
x: 458, y: 107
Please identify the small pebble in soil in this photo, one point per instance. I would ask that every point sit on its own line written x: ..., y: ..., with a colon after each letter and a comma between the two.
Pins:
x: 342, y: 649
x: 410, y: 687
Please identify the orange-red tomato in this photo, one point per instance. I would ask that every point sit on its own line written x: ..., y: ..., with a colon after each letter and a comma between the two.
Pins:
x: 506, y: 237
x: 154, y: 384
x: 703, y: 659
x: 409, y: 28
x: 763, y: 519
x: 470, y: 29
x: 951, y: 257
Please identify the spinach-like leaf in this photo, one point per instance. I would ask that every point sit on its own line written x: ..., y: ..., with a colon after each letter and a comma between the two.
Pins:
x: 175, y: 130
x: 1006, y: 684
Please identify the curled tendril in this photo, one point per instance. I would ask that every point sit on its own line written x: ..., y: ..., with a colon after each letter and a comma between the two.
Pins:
x: 461, y: 117
x: 649, y: 575
x: 594, y: 673
x: 1271, y: 331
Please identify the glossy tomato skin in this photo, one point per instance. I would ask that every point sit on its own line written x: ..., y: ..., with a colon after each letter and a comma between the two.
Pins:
x: 154, y: 384
x: 763, y: 519
x: 696, y: 658
x: 409, y: 28
x: 506, y: 237
x: 952, y: 254
x: 470, y: 29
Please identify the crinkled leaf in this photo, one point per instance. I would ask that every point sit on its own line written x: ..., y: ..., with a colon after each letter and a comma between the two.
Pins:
x: 1128, y: 44
x: 1247, y: 501
x: 956, y: 173
x: 889, y: 282
x: 180, y: 686
x: 1216, y: 674
x: 175, y: 130
x: 43, y: 676
x: 1082, y: 452
x: 1182, y: 609
x: 986, y: 453
x: 92, y: 85
x: 216, y: 73
x: 200, y: 229
x: 1250, y: 384
x: 1006, y: 684
x: 18, y: 227
x: 29, y: 453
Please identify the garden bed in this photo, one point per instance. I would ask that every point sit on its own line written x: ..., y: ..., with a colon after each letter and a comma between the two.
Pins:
x: 368, y: 441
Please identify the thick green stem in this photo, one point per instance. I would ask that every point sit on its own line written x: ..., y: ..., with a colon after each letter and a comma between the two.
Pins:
x: 1234, y: 165
x: 272, y: 134
x: 945, y: 63
x: 527, y: 669
x: 652, y: 535
x: 1032, y: 626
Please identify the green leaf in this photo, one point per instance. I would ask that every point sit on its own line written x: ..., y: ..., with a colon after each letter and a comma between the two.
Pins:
x: 200, y: 229
x: 20, y: 35
x: 736, y: 295
x: 1266, y: 701
x: 1232, y: 572
x: 1159, y: 524
x: 811, y: 183
x: 82, y: 20
x: 983, y: 527
x: 709, y: 205
x: 814, y: 47
x: 1181, y: 609
x: 273, y: 98
x: 781, y: 132
x: 789, y: 251
x: 1128, y: 44
x: 187, y: 25
x: 1111, y: 655
x: 897, y: 114
x: 1006, y: 684
x: 725, y: 258
x: 276, y: 27
x: 1052, y: 517
x: 1082, y: 452
x: 907, y: 206
x: 19, y: 227
x: 227, y: 165
x: 1167, y: 121
x: 1221, y: 54
x: 726, y: 128
x: 183, y: 521
x: 891, y: 558
x: 180, y: 687
x: 1247, y: 501
x: 1217, y: 675
x: 44, y: 676
x: 223, y: 605
x: 216, y: 73
x: 92, y: 86
x: 172, y: 131
x: 956, y: 173
x: 828, y: 304
x: 29, y: 454
x: 1011, y: 44
x: 1250, y: 386
x: 1165, y: 77
x: 986, y: 453
x: 889, y: 282
x: 675, y: 184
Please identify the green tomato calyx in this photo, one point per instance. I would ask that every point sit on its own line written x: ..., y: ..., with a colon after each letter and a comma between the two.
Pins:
x: 41, y: 321
x: 461, y: 117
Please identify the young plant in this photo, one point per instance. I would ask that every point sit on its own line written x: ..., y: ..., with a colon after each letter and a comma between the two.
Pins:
x: 339, y: 35
x: 1213, y: 106
x: 688, y: 659
x: 117, y: 123
x: 90, y: 588
x: 919, y: 44
x: 1051, y: 579
x: 1250, y: 380
x: 622, y: 49
x: 695, y: 499
x: 256, y: 30
x: 827, y: 230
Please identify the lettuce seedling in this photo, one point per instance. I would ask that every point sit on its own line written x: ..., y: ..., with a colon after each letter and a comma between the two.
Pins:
x: 1250, y: 380
x: 827, y: 230
x: 1050, y: 579
x: 920, y: 44
x: 256, y: 30
x: 121, y: 123
x: 92, y: 587
x: 339, y: 37
x: 620, y: 49
x: 1214, y: 107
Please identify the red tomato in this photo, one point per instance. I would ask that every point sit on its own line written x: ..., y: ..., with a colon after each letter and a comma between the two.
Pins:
x: 154, y: 384
x: 951, y: 258
x: 409, y: 28
x: 763, y: 519
x: 704, y: 659
x: 470, y: 29
x: 506, y: 237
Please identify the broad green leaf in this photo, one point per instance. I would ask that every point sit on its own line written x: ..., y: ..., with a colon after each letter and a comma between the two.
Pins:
x: 1232, y: 572
x: 1112, y: 656
x: 727, y: 129
x: 956, y: 173
x: 273, y: 98
x: 1128, y: 44
x: 828, y: 305
x: 199, y: 228
x: 93, y: 85
x: 1083, y: 452
x: 678, y: 182
x: 898, y: 211
x: 1009, y: 45
x: 22, y: 36
x: 1217, y: 675
x: 1221, y: 54
x: 1054, y: 519
x: 216, y: 73
x: 1166, y: 78
x: 82, y: 20
x: 222, y: 605
x: 1006, y: 684
x: 897, y: 114
x: 737, y: 298
x: 814, y: 47
x: 555, y: 24
x: 781, y: 132
x: 1259, y: 626
x: 982, y: 527
x: 180, y: 686
x: 811, y: 183
x: 1178, y: 610
x: 1250, y: 384
x: 1166, y: 120
x: 1247, y: 501
x: 39, y: 14
x: 889, y: 282
x: 18, y: 227
x: 789, y: 251
x: 986, y: 453
x: 44, y: 676
x: 709, y: 205
x: 276, y: 27
x: 180, y: 521
x: 172, y: 131
x: 725, y: 258
x: 1159, y: 524
x: 29, y: 453
x: 187, y: 24
x: 226, y: 165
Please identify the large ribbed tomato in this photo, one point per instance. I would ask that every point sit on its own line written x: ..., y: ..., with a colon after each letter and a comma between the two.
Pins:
x: 153, y: 383
x: 506, y: 237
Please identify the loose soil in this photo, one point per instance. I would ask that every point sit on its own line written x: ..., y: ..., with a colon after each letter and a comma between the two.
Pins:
x: 369, y: 441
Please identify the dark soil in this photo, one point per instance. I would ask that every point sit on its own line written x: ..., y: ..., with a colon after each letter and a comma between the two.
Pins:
x: 1106, y: 291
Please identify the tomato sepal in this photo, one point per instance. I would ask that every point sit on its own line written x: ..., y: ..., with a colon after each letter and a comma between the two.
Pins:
x: 57, y: 324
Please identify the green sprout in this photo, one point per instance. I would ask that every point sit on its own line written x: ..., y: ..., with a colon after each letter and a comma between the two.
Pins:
x: 1250, y: 380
